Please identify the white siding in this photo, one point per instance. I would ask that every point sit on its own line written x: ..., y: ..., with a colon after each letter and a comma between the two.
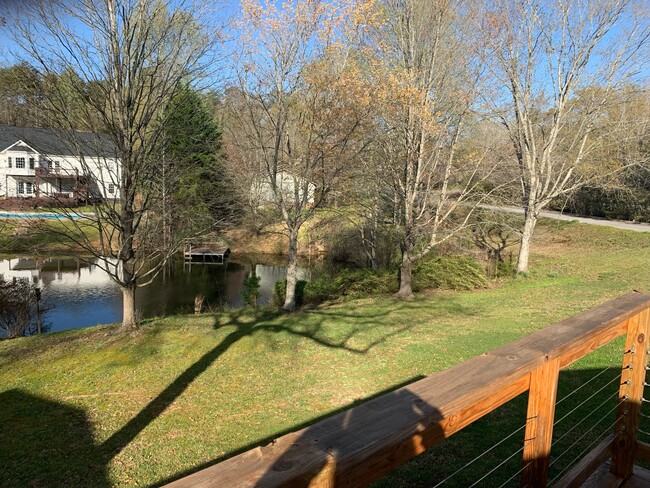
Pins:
x: 103, y: 173
x: 286, y: 184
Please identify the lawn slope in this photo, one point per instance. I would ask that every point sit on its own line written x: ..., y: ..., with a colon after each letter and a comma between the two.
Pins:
x: 99, y: 407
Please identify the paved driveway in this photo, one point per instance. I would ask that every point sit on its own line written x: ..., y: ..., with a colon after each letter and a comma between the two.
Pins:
x: 618, y: 224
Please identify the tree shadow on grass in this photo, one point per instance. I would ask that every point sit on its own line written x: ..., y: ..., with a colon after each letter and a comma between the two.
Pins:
x: 47, y: 443
x: 313, y: 449
x: 366, y: 325
x: 260, y: 323
x: 51, y: 444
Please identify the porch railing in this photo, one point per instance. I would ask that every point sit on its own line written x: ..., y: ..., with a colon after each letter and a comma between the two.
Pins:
x: 363, y: 443
x: 47, y: 172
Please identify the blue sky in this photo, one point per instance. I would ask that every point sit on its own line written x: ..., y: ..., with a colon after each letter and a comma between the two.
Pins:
x: 227, y: 9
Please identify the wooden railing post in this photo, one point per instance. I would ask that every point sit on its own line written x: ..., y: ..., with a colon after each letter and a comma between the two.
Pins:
x: 630, y: 395
x: 539, y: 423
x: 360, y: 444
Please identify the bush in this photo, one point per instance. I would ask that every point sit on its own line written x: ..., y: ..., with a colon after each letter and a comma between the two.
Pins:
x: 351, y: 283
x: 449, y: 272
x: 21, y: 309
x: 280, y: 291
x: 251, y: 290
x: 633, y: 204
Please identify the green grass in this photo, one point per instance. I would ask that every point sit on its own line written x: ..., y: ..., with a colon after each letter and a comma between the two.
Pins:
x: 43, y: 236
x: 100, y: 407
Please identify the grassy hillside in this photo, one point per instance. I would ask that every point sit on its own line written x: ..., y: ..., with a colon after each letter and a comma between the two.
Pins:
x: 44, y: 236
x: 98, y: 407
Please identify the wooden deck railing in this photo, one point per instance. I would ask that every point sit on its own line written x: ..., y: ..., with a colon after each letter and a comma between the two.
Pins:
x: 363, y: 443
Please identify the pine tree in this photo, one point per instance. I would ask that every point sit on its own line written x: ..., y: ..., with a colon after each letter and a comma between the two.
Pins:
x: 195, y: 185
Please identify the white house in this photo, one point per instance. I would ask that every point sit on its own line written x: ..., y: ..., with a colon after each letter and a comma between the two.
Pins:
x: 36, y: 162
x: 287, y: 184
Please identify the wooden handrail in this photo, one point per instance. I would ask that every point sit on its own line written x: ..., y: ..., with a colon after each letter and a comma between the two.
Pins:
x: 363, y: 443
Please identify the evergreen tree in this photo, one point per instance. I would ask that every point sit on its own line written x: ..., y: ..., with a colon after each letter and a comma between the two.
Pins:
x: 195, y: 185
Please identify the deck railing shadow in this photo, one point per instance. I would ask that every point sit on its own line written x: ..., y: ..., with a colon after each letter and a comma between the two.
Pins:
x: 47, y: 443
x: 361, y: 444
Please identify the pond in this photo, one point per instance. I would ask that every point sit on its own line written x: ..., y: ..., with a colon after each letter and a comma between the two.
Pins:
x: 82, y: 294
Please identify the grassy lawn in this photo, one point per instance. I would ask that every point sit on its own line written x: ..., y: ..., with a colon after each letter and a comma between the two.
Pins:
x: 43, y: 236
x: 99, y: 407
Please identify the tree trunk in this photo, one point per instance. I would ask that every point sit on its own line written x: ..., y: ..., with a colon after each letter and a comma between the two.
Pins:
x: 128, y: 306
x: 526, y: 238
x: 405, y: 276
x: 292, y: 273
x: 370, y: 245
x: 374, y: 240
x: 374, y: 263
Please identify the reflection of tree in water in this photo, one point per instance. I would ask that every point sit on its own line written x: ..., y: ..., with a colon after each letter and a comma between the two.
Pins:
x: 85, y: 295
x: 175, y: 289
x: 22, y: 309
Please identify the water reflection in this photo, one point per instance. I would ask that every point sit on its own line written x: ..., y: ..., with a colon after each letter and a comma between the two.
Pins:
x: 83, y: 294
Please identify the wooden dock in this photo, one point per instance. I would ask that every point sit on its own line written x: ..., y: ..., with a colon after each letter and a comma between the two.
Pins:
x: 206, y: 254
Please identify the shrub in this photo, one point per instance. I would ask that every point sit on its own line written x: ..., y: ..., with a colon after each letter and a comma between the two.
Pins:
x: 21, y: 309
x: 351, y: 283
x: 448, y: 272
x: 633, y: 204
x: 251, y: 290
x: 280, y: 291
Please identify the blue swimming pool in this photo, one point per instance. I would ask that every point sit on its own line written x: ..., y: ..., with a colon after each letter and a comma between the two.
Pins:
x: 36, y: 215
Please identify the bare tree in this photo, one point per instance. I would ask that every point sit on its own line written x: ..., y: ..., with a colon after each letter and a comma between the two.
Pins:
x: 129, y: 57
x: 296, y: 110
x: 543, y: 54
x: 427, y: 68
x: 242, y: 164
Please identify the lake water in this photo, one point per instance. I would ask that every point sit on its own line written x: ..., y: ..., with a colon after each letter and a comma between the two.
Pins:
x: 83, y: 294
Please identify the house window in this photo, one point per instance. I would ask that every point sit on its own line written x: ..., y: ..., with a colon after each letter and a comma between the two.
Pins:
x: 21, y: 187
x: 111, y: 188
x: 29, y: 188
x: 20, y: 163
x: 9, y: 161
x: 31, y: 163
x: 57, y: 166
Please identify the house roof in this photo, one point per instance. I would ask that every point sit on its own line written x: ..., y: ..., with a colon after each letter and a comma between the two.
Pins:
x: 20, y: 147
x: 57, y: 142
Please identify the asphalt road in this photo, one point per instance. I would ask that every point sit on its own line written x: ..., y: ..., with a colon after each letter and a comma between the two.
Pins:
x: 618, y: 224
